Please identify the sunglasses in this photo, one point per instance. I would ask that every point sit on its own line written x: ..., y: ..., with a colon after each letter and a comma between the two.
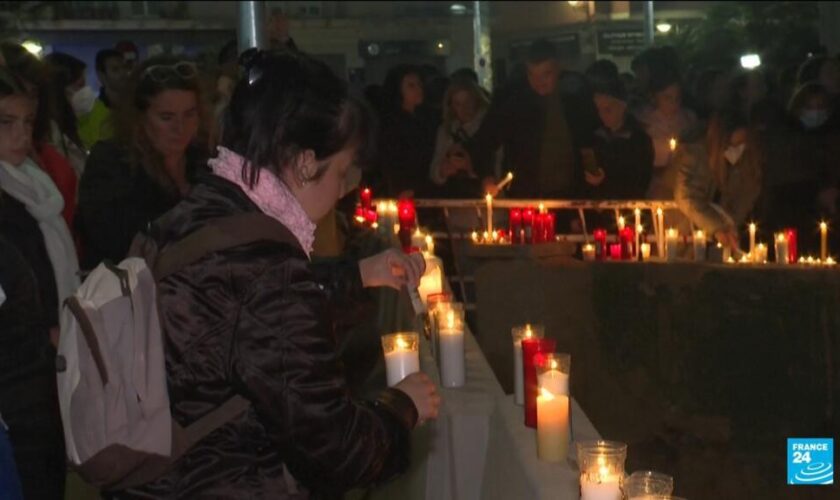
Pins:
x: 161, y: 73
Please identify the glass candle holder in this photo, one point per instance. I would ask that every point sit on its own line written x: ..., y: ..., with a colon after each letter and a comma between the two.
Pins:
x: 520, y: 333
x: 672, y: 244
x: 601, y: 466
x: 430, y: 323
x: 782, y: 249
x: 588, y: 252
x: 699, y: 241
x: 530, y: 348
x: 401, y: 356
x: 644, y: 484
x: 553, y: 408
x: 450, y: 321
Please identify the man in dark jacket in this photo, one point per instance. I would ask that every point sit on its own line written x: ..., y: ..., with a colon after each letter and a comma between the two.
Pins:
x: 541, y: 128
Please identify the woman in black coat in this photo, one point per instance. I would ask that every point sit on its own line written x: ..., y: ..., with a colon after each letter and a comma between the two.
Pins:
x: 255, y: 320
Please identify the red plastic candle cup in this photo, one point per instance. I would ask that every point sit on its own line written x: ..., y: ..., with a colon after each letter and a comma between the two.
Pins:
x: 515, y: 225
x: 530, y: 348
x: 600, y: 237
x: 371, y: 216
x: 407, y: 215
x: 528, y: 224
x: 366, y: 196
x: 793, y: 254
x: 615, y: 251
x: 539, y: 228
x: 627, y: 237
x: 551, y: 234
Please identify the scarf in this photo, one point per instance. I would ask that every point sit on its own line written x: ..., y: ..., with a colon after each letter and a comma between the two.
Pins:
x: 270, y: 195
x: 33, y: 187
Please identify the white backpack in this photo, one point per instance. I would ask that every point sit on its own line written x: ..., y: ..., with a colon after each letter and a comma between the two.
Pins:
x: 112, y: 387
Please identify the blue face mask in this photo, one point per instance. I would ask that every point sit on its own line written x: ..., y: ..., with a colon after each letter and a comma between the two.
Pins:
x: 813, y: 118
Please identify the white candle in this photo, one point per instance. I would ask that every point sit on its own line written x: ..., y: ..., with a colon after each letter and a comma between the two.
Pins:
x: 554, y: 381
x: 752, y: 238
x: 620, y: 223
x: 588, y: 251
x: 645, y: 251
x: 672, y: 244
x: 430, y: 244
x: 699, y: 246
x: 451, y: 335
x: 660, y: 233
x: 432, y: 281
x: 489, y: 200
x: 552, y: 426
x: 823, y: 241
x: 507, y: 180
x: 401, y: 356
x: 760, y: 254
x: 781, y: 249
x: 639, y: 230
x: 673, y: 144
x: 607, y: 487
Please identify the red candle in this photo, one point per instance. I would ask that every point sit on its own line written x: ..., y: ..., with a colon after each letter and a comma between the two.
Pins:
x: 359, y: 215
x: 366, y: 196
x: 550, y: 234
x: 627, y: 236
x: 531, y: 347
x: 600, y: 237
x: 528, y: 224
x: 515, y: 225
x: 539, y: 228
x: 407, y: 217
x: 615, y: 251
x: 371, y: 216
x: 792, y: 234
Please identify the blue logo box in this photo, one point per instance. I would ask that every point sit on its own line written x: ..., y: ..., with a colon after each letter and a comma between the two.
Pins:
x: 810, y: 461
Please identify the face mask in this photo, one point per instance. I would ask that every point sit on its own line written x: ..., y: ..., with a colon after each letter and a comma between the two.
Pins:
x: 83, y: 100
x: 734, y: 153
x: 813, y: 118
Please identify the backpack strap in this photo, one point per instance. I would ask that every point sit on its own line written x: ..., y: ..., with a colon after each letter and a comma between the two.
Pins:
x: 220, y: 234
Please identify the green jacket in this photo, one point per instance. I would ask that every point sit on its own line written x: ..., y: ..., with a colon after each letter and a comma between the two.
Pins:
x: 96, y: 126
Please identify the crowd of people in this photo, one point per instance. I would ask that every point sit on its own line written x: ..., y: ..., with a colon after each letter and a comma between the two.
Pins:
x: 81, y: 173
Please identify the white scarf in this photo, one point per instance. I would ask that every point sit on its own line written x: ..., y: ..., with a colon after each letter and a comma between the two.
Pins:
x: 33, y: 187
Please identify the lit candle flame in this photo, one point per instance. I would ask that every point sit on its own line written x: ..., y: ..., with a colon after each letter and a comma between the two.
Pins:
x: 528, y: 332
x: 752, y: 227
x: 637, y: 212
x: 621, y: 223
x: 829, y: 261
x: 699, y: 234
x: 546, y: 394
x: 781, y: 237
x: 450, y: 319
x: 673, y: 143
x: 375, y: 225
x: 672, y: 233
x: 659, y: 211
x: 823, y: 226
x: 475, y: 236
x: 401, y: 344
x: 553, y: 364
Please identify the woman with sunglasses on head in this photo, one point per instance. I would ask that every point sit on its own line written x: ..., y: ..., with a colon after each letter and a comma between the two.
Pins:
x: 257, y: 320
x: 150, y: 164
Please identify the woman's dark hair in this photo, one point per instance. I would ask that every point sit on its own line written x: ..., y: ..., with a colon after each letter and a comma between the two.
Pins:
x: 33, y: 73
x: 663, y: 78
x: 11, y: 84
x: 287, y: 103
x: 64, y: 70
x: 392, y: 87
x: 803, y: 94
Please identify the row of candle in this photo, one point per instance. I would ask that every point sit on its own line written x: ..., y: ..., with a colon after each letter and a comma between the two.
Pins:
x: 529, y: 226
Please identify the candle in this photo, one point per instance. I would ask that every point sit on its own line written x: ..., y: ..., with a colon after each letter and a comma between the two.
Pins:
x: 359, y: 215
x: 520, y: 333
x: 615, y: 251
x: 539, y: 227
x: 607, y: 487
x: 407, y: 218
x: 601, y: 465
x: 418, y: 239
x: 366, y: 197
x: 552, y: 426
x: 474, y: 237
x: 507, y: 180
x: 435, y: 302
x: 645, y: 252
x: 370, y: 216
x: 588, y: 251
x: 430, y: 244
x: 699, y: 245
x: 550, y: 226
x: 660, y: 233
x: 620, y: 224
x: 639, y: 230
x: 528, y: 224
x: 672, y: 244
x: 673, y: 144
x: 830, y: 261
x: 451, y: 337
x: 752, y: 238
x: 626, y: 237
x: 401, y: 356
x: 823, y: 241
x: 530, y: 348
x: 792, y: 244
x: 600, y: 237
x: 760, y: 256
x: 515, y: 225
x: 432, y: 280
x: 489, y: 199
x: 782, y: 254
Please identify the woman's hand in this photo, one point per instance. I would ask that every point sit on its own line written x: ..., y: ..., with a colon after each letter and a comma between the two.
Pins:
x: 392, y: 268
x: 419, y: 387
x: 595, y: 179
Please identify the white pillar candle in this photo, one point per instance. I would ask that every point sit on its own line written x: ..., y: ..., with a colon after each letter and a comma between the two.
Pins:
x: 554, y: 381
x: 672, y: 242
x: 699, y: 246
x: 645, y: 251
x: 823, y: 241
x: 607, y: 489
x: 638, y: 214
x: 489, y: 200
x: 781, y: 249
x: 638, y: 249
x: 660, y: 233
x: 552, y: 426
x: 401, y: 356
x: 588, y: 251
x: 518, y: 333
x: 752, y: 239
x: 451, y: 335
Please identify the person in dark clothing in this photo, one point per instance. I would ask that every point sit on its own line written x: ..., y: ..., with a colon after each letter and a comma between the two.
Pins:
x: 28, y: 400
x: 407, y: 134
x: 623, y: 151
x: 132, y: 180
x: 255, y: 320
x: 541, y: 130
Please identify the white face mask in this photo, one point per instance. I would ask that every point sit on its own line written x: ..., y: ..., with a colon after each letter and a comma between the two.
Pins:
x: 734, y: 153
x: 813, y: 118
x: 83, y: 100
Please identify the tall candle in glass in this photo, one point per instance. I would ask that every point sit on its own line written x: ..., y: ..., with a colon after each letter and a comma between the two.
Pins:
x: 672, y: 242
x: 520, y: 333
x: 530, y: 348
x: 600, y: 237
x: 528, y: 225
x: 515, y: 226
x: 601, y: 465
x: 792, y: 236
x: 782, y: 254
x: 699, y: 245
x: 823, y: 241
x: 451, y: 335
x: 401, y: 356
x: 553, y: 409
x: 433, y: 301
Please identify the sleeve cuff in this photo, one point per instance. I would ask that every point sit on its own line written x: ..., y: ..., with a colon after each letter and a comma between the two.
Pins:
x: 399, y: 405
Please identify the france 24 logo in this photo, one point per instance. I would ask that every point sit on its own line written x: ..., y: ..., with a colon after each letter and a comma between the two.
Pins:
x: 810, y: 461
